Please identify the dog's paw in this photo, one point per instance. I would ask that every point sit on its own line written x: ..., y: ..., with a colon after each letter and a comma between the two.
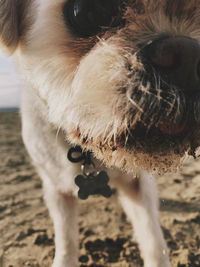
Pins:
x: 158, y: 263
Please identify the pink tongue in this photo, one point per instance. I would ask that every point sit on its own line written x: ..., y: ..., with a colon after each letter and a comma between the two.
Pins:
x: 172, y: 129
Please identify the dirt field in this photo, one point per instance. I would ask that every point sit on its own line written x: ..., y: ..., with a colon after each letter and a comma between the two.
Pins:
x: 26, y: 233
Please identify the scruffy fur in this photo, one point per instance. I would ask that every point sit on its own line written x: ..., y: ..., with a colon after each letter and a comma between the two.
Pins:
x: 93, y: 93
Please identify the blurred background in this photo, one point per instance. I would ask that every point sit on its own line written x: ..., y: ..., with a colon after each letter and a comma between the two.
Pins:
x: 9, y: 84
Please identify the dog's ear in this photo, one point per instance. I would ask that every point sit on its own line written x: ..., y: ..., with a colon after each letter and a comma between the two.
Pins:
x: 9, y: 25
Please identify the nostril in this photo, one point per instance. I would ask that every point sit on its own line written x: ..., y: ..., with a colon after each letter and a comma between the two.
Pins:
x: 177, y: 60
x: 167, y: 60
x: 163, y: 54
x: 164, y: 59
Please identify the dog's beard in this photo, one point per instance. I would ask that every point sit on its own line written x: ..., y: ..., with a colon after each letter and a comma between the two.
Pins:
x: 167, y: 119
x: 153, y: 126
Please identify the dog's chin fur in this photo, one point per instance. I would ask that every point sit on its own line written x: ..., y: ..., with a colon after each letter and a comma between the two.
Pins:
x: 131, y: 161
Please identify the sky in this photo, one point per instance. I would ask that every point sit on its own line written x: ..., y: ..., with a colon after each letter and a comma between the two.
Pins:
x: 9, y: 84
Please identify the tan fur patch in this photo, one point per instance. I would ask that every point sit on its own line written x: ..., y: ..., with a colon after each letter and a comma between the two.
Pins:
x: 9, y: 31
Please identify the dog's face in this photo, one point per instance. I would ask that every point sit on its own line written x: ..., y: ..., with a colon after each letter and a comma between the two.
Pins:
x: 121, y: 78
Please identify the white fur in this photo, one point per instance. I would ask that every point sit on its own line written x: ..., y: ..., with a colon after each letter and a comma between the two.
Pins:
x: 48, y: 151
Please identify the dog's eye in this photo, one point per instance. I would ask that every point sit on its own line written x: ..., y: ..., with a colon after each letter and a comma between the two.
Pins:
x: 88, y: 17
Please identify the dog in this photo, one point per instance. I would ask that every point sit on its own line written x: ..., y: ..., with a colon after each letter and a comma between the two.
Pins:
x: 119, y: 80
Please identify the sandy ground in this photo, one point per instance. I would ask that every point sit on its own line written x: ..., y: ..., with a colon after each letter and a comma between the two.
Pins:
x: 26, y: 233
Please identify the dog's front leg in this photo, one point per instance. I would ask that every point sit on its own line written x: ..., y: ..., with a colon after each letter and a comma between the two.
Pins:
x: 48, y: 152
x: 139, y: 198
x: 62, y: 208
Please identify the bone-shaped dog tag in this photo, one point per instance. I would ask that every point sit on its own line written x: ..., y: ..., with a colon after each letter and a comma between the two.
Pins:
x: 93, y: 185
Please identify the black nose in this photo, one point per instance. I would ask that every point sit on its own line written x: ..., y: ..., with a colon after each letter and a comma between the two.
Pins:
x: 177, y: 59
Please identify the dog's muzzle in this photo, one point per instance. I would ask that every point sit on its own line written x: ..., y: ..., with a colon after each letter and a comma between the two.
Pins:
x: 171, y: 108
x: 177, y: 61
